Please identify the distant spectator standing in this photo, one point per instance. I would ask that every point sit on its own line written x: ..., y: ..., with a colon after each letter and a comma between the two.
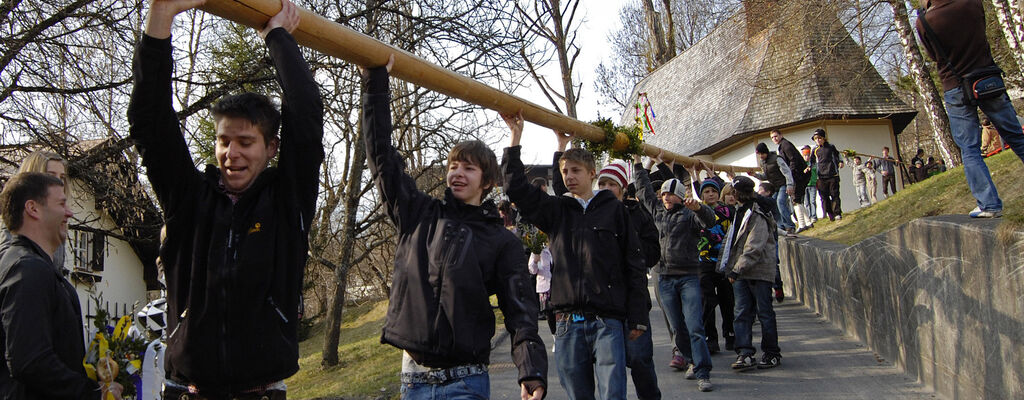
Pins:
x: 887, y: 167
x: 540, y: 265
x: 870, y: 184
x: 918, y: 171
x: 828, y: 161
x: 960, y: 47
x: 776, y: 171
x: 812, y: 190
x: 990, y: 142
x: 860, y: 173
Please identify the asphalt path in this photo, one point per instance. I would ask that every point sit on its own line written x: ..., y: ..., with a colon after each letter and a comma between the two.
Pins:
x: 819, y: 362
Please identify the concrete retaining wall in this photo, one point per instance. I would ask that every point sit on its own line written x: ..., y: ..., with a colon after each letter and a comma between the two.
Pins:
x: 940, y: 296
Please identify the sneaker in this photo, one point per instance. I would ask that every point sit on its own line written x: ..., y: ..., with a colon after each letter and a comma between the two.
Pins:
x: 705, y: 385
x: 839, y: 217
x: 779, y: 295
x: 979, y: 213
x: 769, y: 361
x: 690, y: 373
x: 744, y: 362
x: 713, y: 347
x: 678, y: 362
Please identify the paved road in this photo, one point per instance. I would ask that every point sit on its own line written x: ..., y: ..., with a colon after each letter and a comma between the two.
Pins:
x: 819, y: 362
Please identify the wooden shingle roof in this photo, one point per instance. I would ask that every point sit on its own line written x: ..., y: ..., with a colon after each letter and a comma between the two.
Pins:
x: 735, y: 83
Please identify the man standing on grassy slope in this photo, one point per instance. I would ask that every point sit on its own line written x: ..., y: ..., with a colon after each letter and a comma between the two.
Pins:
x: 961, y: 48
x: 237, y: 234
x: 798, y: 167
x: 452, y: 254
x: 775, y: 170
x: 828, y: 161
x: 598, y: 280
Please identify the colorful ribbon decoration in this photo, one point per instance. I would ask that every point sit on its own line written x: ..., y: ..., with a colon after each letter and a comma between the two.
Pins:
x: 648, y: 118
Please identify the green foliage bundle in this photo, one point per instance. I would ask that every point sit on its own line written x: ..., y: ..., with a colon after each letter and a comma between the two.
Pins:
x: 633, y: 133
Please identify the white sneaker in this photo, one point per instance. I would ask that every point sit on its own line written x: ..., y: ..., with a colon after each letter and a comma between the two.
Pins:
x: 690, y: 373
x: 977, y: 212
x: 705, y: 385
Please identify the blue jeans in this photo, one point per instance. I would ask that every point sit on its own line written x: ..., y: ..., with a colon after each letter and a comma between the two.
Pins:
x: 749, y: 292
x: 588, y: 348
x: 681, y: 298
x: 812, y: 201
x: 640, y: 360
x: 963, y: 121
x: 473, y: 387
x: 785, y: 211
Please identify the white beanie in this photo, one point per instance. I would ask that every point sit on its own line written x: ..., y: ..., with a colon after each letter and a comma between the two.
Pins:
x: 675, y: 187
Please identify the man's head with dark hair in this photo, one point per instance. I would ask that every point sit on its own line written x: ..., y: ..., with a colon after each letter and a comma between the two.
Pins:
x: 743, y: 189
x: 920, y: 152
x: 857, y: 160
x: 540, y: 183
x: 472, y: 171
x: 41, y: 198
x: 247, y: 139
x: 578, y: 170
x: 762, y: 151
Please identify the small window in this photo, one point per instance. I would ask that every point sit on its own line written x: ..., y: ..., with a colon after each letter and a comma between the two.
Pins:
x: 86, y: 250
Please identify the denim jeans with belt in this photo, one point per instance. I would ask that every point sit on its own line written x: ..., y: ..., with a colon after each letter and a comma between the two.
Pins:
x: 681, y: 298
x: 473, y: 387
x: 640, y: 360
x: 963, y: 121
x: 583, y: 349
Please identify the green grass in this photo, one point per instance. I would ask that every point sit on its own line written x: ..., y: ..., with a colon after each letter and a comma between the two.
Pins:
x: 366, y: 369
x: 946, y: 193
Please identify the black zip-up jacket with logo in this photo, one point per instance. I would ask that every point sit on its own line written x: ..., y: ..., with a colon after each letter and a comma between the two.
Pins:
x: 597, y: 263
x: 451, y: 256
x: 828, y: 158
x: 234, y: 270
x: 41, y: 335
x: 679, y: 228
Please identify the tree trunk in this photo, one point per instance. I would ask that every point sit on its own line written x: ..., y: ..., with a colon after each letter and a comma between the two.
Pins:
x: 657, y: 32
x: 561, y: 47
x: 1009, y: 16
x: 670, y: 34
x: 348, y: 242
x: 934, y: 109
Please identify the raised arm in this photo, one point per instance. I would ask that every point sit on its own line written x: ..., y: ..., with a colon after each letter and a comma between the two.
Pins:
x: 302, y: 110
x: 402, y: 199
x: 537, y: 206
x: 557, y: 183
x: 644, y: 190
x: 153, y: 124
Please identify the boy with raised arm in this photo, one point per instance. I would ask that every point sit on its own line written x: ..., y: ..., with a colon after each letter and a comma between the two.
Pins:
x: 237, y: 233
x: 598, y: 279
x: 452, y: 254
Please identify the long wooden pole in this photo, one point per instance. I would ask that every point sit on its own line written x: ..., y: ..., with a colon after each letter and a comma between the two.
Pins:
x: 328, y: 37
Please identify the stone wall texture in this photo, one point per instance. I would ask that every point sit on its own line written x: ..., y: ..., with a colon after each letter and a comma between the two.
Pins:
x: 941, y: 297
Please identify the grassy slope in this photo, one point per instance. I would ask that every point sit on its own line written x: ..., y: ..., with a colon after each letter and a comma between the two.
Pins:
x: 946, y: 193
x: 366, y: 366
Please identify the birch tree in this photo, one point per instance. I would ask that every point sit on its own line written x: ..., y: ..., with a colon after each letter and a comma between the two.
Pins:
x: 1009, y: 14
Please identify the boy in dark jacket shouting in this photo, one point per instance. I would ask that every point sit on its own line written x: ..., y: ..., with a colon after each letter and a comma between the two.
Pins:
x: 598, y: 279
x: 237, y: 234
x: 452, y: 254
x: 680, y: 219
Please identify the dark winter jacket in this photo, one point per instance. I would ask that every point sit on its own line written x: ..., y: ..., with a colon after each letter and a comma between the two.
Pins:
x: 678, y: 228
x: 597, y: 258
x: 828, y: 158
x: 775, y: 171
x: 41, y: 332
x: 234, y: 269
x: 450, y: 258
x: 960, y: 26
x: 789, y: 153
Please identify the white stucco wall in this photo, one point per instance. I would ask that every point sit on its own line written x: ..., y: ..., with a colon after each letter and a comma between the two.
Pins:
x: 861, y: 136
x: 122, y: 281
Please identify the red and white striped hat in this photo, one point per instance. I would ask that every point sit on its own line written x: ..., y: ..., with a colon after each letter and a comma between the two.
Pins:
x: 616, y: 170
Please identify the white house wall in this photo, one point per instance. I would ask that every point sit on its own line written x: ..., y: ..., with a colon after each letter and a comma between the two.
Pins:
x: 122, y: 282
x: 859, y: 136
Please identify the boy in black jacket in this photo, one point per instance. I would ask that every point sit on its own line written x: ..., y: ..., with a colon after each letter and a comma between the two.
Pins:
x: 598, y: 280
x: 237, y: 234
x: 452, y: 254
x: 829, y: 161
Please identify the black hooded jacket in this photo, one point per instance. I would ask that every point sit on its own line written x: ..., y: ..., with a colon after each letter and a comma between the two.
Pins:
x: 451, y: 256
x: 234, y: 268
x: 597, y: 263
